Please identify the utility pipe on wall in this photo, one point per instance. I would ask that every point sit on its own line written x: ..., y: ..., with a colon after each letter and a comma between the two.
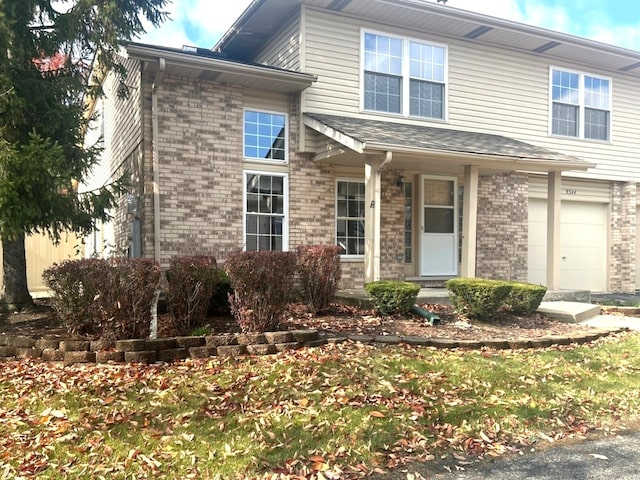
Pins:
x: 155, y: 165
x: 156, y: 158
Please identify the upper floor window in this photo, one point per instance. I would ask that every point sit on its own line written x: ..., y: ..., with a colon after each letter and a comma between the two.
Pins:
x: 581, y: 105
x: 404, y: 76
x: 265, y: 135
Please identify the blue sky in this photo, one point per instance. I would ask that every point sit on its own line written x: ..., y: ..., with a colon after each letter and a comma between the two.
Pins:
x: 202, y: 22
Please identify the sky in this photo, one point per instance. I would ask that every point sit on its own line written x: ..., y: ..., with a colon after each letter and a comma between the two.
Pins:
x: 201, y: 23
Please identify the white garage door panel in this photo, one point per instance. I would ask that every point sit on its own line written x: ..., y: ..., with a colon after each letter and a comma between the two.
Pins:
x: 582, y: 244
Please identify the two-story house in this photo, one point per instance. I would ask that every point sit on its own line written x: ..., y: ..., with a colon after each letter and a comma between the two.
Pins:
x: 426, y: 141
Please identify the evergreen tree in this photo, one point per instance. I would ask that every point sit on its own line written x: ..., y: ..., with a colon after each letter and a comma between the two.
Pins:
x: 47, y: 50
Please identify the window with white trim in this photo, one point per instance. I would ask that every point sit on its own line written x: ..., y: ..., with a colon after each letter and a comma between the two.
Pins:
x: 265, y: 136
x: 265, y: 210
x: 403, y: 76
x: 580, y: 105
x: 350, y: 217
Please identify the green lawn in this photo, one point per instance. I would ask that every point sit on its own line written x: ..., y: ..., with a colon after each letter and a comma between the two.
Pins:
x: 334, y: 412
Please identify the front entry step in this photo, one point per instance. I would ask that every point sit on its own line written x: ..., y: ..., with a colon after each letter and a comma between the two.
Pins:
x: 572, y: 312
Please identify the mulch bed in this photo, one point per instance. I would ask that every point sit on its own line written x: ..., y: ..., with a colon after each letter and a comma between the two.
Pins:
x: 343, y: 320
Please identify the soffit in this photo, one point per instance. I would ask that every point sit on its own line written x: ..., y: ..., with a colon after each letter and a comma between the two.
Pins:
x: 205, y: 65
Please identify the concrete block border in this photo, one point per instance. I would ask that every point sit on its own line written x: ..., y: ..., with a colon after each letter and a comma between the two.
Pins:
x: 493, y: 343
x: 169, y: 350
x: 166, y: 350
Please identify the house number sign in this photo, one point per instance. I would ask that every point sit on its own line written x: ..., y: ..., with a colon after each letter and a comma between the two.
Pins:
x: 570, y: 191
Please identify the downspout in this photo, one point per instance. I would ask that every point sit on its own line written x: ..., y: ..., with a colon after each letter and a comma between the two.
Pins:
x: 155, y: 165
x: 156, y: 158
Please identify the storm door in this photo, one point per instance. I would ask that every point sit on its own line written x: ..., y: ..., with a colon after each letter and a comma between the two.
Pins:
x: 439, y: 238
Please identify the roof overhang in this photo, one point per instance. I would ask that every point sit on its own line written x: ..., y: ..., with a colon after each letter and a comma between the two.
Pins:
x: 350, y: 140
x: 191, y: 63
x: 263, y: 18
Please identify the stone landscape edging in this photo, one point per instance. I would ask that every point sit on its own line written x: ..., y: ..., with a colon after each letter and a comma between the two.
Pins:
x: 72, y: 351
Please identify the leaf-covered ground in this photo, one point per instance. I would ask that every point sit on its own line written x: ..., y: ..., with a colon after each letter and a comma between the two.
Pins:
x: 340, y: 411
x: 340, y: 320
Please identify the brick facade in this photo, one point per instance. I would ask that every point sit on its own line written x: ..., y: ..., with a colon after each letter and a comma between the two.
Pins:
x: 622, y: 264
x: 201, y: 191
x: 392, y: 227
x: 502, y: 235
x: 200, y: 172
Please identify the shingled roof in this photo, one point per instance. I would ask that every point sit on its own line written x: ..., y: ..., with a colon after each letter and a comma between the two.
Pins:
x: 377, y: 134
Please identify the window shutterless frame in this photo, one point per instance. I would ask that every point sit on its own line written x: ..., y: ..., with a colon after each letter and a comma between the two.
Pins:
x: 265, y: 199
x: 580, y: 105
x: 350, y: 217
x: 403, y: 76
x: 265, y: 136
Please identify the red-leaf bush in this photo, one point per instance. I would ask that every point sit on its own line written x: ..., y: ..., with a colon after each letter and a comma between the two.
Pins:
x: 263, y: 284
x: 109, y: 299
x: 75, y: 285
x: 319, y: 273
x: 124, y: 305
x: 219, y: 302
x: 192, y: 281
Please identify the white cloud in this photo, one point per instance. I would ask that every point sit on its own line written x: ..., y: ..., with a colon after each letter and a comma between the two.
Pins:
x: 195, y: 22
x: 202, y: 22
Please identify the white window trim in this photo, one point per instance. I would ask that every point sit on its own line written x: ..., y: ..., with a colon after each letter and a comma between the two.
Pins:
x: 286, y: 137
x: 345, y: 256
x: 285, y: 221
x: 581, y: 105
x: 405, y: 76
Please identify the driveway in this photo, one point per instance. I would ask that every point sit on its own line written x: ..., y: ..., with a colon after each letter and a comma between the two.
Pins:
x: 614, y: 457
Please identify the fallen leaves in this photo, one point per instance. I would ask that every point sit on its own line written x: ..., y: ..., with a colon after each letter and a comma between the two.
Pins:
x: 343, y: 411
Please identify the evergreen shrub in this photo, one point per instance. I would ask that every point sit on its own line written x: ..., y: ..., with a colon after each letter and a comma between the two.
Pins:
x: 392, y: 296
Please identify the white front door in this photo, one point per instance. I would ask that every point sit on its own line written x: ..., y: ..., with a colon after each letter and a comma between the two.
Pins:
x: 439, y: 238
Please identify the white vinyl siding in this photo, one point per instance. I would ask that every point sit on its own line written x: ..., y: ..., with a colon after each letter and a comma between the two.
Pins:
x: 572, y: 189
x: 638, y: 248
x: 477, y: 99
x: 283, y: 48
x: 120, y: 125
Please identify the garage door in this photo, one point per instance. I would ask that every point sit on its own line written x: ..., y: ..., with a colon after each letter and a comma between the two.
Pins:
x: 583, y: 244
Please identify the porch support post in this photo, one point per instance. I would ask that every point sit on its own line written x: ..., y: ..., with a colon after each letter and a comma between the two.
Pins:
x: 553, y: 230
x: 469, y: 222
x: 372, y: 199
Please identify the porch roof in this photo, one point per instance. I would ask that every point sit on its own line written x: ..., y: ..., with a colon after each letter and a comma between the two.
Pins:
x: 363, y: 135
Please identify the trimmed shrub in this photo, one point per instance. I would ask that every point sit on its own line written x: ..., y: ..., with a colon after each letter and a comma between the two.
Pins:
x: 191, y: 282
x: 108, y: 299
x: 525, y: 298
x: 477, y: 297
x: 75, y: 285
x: 123, y: 306
x: 219, y: 301
x: 319, y: 274
x: 263, y: 283
x: 392, y: 296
